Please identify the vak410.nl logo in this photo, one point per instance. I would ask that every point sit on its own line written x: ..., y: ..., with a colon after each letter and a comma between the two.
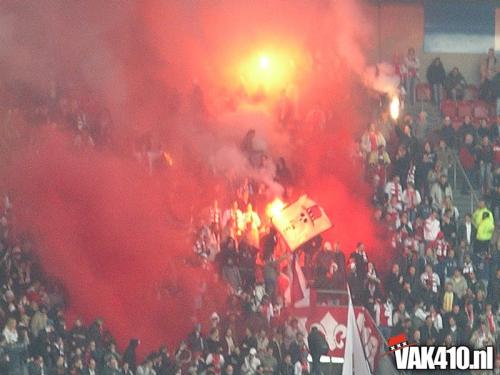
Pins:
x: 410, y: 357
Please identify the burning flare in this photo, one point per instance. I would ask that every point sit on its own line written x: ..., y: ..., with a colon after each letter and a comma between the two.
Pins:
x: 394, y: 108
x: 264, y: 62
x: 274, y: 208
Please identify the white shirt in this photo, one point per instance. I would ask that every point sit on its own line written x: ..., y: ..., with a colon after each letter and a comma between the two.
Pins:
x: 394, y: 189
x: 11, y: 337
x: 431, y: 229
x: 468, y: 232
x: 297, y: 370
x: 250, y: 366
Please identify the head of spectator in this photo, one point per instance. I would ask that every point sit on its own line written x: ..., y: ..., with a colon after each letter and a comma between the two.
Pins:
x: 229, y: 370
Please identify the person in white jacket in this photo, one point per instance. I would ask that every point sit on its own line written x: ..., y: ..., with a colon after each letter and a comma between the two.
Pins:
x: 431, y: 227
x: 411, y: 200
x: 250, y: 363
x: 371, y: 140
x: 10, y: 331
x: 441, y: 190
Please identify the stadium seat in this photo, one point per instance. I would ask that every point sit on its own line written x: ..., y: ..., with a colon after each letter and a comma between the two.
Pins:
x: 480, y: 110
x: 464, y: 109
x: 449, y: 108
x: 456, y: 124
x: 471, y: 92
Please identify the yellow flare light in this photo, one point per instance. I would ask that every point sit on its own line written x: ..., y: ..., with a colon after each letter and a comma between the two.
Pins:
x: 394, y: 108
x: 270, y: 71
x: 274, y: 208
x: 264, y: 62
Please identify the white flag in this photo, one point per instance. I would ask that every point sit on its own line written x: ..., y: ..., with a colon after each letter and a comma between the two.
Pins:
x: 355, y: 362
x: 301, y: 221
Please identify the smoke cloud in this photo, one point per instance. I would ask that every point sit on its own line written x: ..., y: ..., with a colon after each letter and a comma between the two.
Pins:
x: 171, y: 70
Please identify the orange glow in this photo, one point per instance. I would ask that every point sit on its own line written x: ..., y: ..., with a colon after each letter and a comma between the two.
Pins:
x: 270, y: 71
x: 168, y: 158
x: 274, y: 208
x: 394, y: 108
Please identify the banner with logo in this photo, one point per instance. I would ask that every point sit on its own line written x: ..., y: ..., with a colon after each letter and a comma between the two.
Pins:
x: 332, y: 323
x: 301, y: 221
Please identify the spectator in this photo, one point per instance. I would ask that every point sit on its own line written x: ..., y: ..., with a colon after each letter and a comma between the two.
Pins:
x: 360, y: 258
x: 455, y: 84
x: 430, y: 284
x: 457, y: 335
x: 37, y: 367
x: 231, y: 273
x: 287, y: 367
x: 129, y: 356
x: 445, y: 156
x: 431, y: 227
x: 440, y: 191
x: 268, y: 361
x: 372, y: 139
x: 401, y: 166
x: 317, y: 347
x: 436, y: 76
x: 216, y: 361
x: 468, y: 160
x: 485, y: 160
x: 449, y: 298
x: 146, y: 368
x: 467, y: 232
x: 428, y: 332
x: 448, y: 133
x: 494, y: 289
x: 379, y: 161
x: 459, y: 284
x: 482, y: 337
x: 488, y: 72
x: 250, y: 363
x: 485, y: 229
x: 411, y: 70
x: 252, y: 226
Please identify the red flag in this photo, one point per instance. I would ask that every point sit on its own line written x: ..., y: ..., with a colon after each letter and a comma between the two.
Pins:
x: 300, y: 291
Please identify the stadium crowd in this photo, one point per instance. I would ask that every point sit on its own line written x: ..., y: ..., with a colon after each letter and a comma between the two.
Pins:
x: 443, y: 288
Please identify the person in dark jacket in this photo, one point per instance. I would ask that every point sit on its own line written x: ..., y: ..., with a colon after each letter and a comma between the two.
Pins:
x: 317, y: 347
x: 195, y: 340
x: 455, y: 85
x: 448, y: 133
x: 436, y: 76
x: 129, y: 356
x: 286, y: 367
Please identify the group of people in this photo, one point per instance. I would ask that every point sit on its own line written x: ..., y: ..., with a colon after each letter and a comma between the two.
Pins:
x: 443, y: 288
x: 453, y: 83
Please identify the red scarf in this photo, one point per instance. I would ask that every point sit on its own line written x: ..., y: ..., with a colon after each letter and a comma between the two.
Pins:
x: 491, y: 323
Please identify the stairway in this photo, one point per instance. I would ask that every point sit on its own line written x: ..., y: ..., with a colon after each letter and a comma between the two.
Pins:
x: 433, y: 116
x: 463, y: 202
x: 434, y: 120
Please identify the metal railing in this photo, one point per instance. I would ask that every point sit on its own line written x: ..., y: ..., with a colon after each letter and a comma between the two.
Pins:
x: 459, y: 171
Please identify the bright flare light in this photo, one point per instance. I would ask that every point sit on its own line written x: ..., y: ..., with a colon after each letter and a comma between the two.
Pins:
x: 274, y: 208
x: 394, y: 108
x: 264, y: 62
x: 269, y: 69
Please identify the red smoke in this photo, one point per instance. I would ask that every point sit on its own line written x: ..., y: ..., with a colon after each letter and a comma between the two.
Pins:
x: 113, y: 234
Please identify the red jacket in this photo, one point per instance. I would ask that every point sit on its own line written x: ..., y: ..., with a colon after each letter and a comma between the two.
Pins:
x: 467, y: 158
